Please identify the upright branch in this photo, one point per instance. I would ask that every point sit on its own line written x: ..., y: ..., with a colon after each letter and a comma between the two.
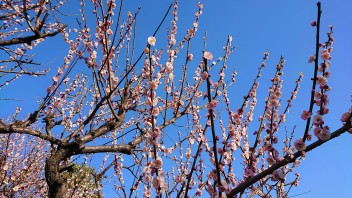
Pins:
x: 316, y: 65
x: 211, y: 106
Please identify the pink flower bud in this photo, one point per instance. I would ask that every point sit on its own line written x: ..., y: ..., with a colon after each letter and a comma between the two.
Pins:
x: 205, y: 75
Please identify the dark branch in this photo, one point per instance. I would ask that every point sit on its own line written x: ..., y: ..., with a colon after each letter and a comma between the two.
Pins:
x: 243, y: 186
x: 18, y: 128
x: 29, y: 39
x: 125, y: 149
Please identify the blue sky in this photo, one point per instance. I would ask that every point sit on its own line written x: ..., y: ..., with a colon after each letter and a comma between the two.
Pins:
x: 284, y: 28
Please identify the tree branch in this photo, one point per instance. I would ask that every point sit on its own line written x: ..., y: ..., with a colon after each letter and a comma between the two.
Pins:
x: 243, y: 186
x: 29, y: 39
x: 123, y: 148
x: 17, y: 128
x: 316, y: 65
x: 108, y: 126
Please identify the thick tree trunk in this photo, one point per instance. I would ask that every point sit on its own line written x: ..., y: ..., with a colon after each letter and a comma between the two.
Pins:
x: 56, y: 183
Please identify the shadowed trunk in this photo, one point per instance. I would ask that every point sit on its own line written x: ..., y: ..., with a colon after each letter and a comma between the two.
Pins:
x: 56, y: 182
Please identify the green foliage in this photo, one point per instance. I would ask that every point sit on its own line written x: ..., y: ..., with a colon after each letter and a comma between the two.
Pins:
x: 81, y: 180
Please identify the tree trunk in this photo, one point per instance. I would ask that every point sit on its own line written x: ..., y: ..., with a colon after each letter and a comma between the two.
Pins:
x: 56, y: 182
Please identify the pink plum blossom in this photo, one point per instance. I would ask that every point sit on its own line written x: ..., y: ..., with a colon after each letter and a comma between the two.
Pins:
x: 199, y: 192
x: 153, y: 85
x: 306, y: 114
x: 147, y: 193
x: 325, y: 54
x: 317, y: 131
x: 318, y: 119
x: 208, y: 55
x: 278, y: 175
x: 157, y: 163
x: 200, y: 5
x: 172, y: 39
x: 190, y: 57
x: 212, y: 104
x: 321, y: 80
x: 300, y: 145
x: 271, y: 161
x: 345, y: 117
x: 325, y: 134
x: 55, y: 78
x: 151, y: 40
x: 311, y: 59
x: 155, y: 111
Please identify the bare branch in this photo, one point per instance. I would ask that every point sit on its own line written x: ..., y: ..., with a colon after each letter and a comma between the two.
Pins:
x: 17, y: 128
x: 124, y: 148
x: 29, y: 39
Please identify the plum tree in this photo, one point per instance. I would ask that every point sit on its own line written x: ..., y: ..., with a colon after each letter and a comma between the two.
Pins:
x: 156, y: 121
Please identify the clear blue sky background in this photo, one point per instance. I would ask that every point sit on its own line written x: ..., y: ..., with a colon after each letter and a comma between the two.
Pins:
x: 283, y: 27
